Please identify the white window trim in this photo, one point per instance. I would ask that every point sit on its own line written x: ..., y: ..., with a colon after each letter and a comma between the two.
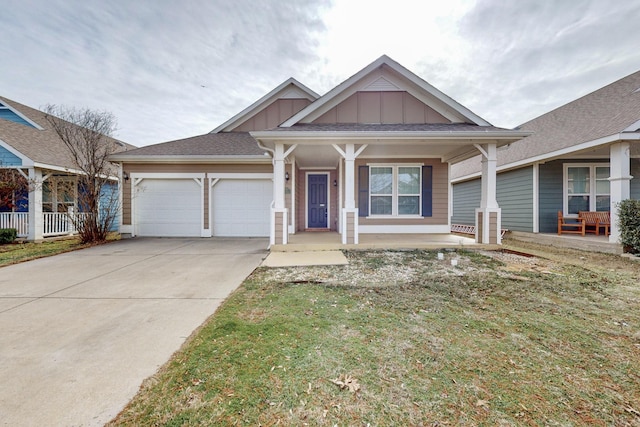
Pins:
x: 394, y: 196
x: 54, y: 193
x: 592, y: 185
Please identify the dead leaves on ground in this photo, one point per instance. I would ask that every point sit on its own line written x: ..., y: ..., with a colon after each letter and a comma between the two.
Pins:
x: 347, y: 382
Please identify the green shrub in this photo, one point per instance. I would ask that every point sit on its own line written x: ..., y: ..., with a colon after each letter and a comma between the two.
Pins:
x: 629, y: 223
x: 8, y: 235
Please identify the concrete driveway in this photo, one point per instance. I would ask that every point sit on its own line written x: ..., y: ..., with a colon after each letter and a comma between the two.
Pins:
x: 79, y: 332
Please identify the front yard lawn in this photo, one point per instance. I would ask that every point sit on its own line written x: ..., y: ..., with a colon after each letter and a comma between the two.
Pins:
x: 16, y: 252
x: 402, y: 338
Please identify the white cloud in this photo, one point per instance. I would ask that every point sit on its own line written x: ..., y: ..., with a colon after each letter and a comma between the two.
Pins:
x: 172, y: 69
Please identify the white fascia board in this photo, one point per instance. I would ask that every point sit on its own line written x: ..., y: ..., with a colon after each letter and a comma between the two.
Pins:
x: 329, y: 96
x: 410, y: 76
x: 635, y: 136
x: 634, y: 127
x: 442, y: 97
x: 192, y: 159
x: 57, y: 168
x: 261, y: 103
x: 22, y: 116
x: 330, y: 137
x: 26, y: 161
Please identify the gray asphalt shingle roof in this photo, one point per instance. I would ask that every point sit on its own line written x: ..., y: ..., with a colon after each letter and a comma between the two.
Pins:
x: 42, y: 146
x: 602, y: 113
x: 209, y: 144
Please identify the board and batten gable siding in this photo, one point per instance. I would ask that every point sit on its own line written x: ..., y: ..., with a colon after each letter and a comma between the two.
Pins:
x: 273, y: 115
x: 515, y: 198
x: 382, y: 107
x: 635, y: 182
x: 466, y: 198
x: 7, y: 158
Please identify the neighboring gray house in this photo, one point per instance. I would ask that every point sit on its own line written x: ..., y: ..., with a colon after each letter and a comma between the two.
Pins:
x: 582, y: 156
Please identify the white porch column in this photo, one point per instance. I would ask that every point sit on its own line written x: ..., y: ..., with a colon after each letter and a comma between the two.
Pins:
x: 488, y: 216
x: 620, y: 183
x: 36, y: 219
x: 350, y: 212
x: 279, y: 219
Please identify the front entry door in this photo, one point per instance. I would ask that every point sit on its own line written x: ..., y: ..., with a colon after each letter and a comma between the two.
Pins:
x: 317, y: 201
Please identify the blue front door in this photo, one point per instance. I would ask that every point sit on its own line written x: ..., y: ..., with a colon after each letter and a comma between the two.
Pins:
x: 317, y: 201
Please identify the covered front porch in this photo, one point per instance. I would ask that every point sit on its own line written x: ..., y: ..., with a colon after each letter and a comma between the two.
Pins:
x: 331, y: 240
x: 377, y: 181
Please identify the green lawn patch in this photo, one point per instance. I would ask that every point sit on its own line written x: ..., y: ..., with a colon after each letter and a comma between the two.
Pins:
x: 13, y: 253
x: 401, y: 338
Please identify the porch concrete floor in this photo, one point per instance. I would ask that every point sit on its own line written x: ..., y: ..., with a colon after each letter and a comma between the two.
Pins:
x: 326, y: 241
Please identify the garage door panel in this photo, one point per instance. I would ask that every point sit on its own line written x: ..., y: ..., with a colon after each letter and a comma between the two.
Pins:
x: 242, y: 207
x: 168, y: 208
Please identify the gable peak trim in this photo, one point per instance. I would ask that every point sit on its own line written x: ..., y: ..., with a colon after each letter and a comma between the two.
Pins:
x: 381, y: 85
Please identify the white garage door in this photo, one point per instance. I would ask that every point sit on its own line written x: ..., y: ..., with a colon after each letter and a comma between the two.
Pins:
x: 168, y: 208
x: 241, y: 207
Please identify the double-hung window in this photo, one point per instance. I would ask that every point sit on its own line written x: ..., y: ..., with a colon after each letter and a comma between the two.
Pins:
x: 586, y: 188
x: 395, y: 190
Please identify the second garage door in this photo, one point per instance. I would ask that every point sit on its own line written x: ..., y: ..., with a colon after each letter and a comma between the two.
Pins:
x: 241, y: 207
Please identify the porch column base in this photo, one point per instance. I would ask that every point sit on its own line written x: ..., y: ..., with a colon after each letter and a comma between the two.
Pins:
x: 279, y: 229
x: 489, y: 226
x: 350, y: 226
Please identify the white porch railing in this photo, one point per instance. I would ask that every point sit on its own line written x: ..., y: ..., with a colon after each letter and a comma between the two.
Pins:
x: 57, y: 224
x: 17, y: 220
x: 54, y: 224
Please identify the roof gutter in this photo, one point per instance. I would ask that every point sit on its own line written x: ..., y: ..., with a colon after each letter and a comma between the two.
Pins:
x: 191, y: 159
x: 623, y: 136
x: 387, y: 135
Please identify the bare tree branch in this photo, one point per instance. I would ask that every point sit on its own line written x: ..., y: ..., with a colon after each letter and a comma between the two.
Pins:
x: 87, y: 136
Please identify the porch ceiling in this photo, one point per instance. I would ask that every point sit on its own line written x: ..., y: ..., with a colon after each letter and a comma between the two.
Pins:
x: 449, y: 142
x: 327, y: 156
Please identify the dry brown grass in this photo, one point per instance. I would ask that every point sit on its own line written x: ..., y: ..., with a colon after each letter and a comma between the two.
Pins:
x: 498, y: 340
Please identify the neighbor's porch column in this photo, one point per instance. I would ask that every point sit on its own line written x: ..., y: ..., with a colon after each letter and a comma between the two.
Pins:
x: 279, y: 219
x: 36, y: 219
x: 489, y: 215
x: 349, y: 212
x: 620, y: 183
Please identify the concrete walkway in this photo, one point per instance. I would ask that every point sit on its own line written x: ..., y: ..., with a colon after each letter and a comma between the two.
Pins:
x: 307, y: 258
x: 79, y: 332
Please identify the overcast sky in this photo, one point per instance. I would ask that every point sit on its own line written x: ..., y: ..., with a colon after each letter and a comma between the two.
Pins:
x: 174, y: 69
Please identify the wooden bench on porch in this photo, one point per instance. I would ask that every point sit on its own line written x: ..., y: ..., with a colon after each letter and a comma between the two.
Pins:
x: 570, y: 225
x: 594, y: 221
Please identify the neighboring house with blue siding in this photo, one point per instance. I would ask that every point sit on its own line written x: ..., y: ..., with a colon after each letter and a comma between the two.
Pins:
x: 29, y: 146
x: 583, y: 156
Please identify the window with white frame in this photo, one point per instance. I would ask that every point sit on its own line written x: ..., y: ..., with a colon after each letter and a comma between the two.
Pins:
x: 395, y: 190
x: 586, y: 188
x: 59, y: 194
